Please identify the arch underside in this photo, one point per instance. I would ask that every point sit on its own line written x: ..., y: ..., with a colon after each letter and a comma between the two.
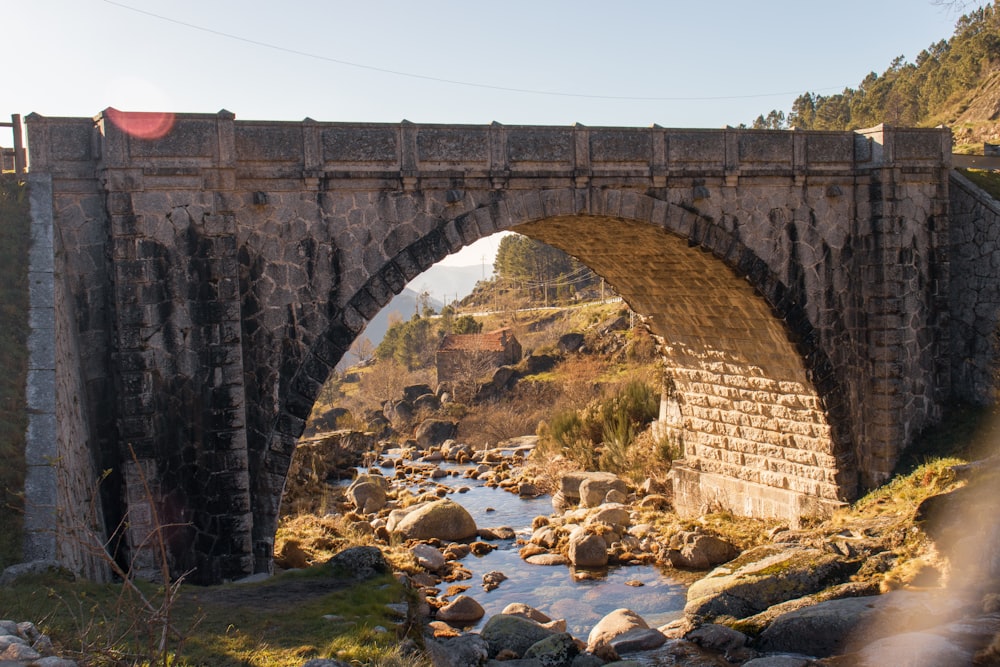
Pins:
x: 754, y: 401
x: 740, y: 398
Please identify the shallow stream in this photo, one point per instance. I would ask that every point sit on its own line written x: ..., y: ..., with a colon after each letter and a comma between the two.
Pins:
x: 553, y: 589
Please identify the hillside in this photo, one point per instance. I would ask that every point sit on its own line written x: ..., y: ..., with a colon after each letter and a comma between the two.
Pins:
x: 953, y: 82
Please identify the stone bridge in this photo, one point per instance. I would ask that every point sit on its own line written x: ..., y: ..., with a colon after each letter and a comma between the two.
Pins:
x: 195, y: 279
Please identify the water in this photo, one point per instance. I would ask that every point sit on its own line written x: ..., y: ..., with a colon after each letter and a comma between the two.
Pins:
x: 553, y: 589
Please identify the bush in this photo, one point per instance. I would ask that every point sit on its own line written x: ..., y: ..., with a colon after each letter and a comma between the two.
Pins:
x: 603, y: 436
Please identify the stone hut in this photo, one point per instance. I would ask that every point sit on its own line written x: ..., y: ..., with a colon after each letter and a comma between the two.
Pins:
x: 480, y: 354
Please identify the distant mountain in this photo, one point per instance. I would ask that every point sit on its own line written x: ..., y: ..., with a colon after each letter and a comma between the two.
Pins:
x: 449, y: 283
x: 444, y: 284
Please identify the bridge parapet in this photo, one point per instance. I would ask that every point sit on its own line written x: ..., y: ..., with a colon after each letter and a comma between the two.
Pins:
x: 441, y: 154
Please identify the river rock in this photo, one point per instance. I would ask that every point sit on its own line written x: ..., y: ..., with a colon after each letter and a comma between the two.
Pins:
x: 593, y: 490
x: 762, y: 577
x: 497, y: 533
x: 570, y: 482
x: 462, y: 610
x: 694, y: 550
x: 506, y: 631
x: 547, y: 559
x: 461, y: 651
x: 615, y: 515
x: 613, y: 625
x: 526, y: 611
x: 731, y: 643
x: 638, y: 639
x: 433, y: 432
x: 428, y: 557
x: 587, y: 550
x: 367, y: 496
x: 493, y: 579
x: 545, y: 536
x: 557, y: 650
x: 847, y: 624
x: 440, y: 519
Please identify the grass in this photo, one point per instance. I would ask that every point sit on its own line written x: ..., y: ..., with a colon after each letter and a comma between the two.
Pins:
x: 14, y: 240
x: 987, y: 180
x: 278, y: 623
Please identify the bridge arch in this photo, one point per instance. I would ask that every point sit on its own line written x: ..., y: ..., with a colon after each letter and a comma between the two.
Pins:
x: 754, y: 396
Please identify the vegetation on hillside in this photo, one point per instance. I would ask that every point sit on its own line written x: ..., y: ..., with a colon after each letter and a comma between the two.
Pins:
x: 14, y: 240
x: 937, y: 87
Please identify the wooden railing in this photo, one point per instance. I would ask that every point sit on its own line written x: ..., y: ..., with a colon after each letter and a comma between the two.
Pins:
x: 20, y: 157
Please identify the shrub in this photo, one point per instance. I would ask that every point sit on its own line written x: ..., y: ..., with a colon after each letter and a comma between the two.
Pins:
x: 602, y: 436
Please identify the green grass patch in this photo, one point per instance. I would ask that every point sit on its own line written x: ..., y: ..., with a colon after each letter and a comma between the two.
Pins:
x: 987, y: 180
x: 281, y: 622
x: 14, y: 241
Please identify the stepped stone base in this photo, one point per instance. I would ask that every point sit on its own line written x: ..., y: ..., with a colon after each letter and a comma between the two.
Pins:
x: 698, y: 492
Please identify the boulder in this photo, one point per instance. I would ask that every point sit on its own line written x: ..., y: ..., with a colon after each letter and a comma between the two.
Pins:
x: 461, y: 651
x: 731, y: 643
x: 516, y: 633
x: 427, y: 403
x: 694, y: 550
x: 463, y: 610
x: 557, y: 650
x: 367, y: 497
x: 613, y: 625
x: 638, y: 639
x: 570, y: 342
x: 520, y: 609
x: 599, y: 483
x: 614, y: 515
x: 594, y: 490
x: 587, y: 550
x: 847, y: 624
x: 398, y: 412
x: 360, y: 562
x: 414, y: 391
x: 762, y: 577
x: 433, y: 432
x: 440, y: 519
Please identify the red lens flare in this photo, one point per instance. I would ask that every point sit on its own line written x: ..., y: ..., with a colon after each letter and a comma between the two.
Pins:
x: 142, y: 124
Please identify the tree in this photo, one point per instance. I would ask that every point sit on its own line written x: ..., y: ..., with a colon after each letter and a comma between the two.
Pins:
x: 539, y: 271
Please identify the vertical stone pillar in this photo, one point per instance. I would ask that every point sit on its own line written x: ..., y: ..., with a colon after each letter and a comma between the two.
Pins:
x: 41, y: 450
x: 181, y: 408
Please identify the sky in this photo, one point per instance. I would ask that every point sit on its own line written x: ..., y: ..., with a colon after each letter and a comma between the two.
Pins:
x: 541, y: 62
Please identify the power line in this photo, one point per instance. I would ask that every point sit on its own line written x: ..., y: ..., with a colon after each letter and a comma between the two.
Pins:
x: 454, y: 82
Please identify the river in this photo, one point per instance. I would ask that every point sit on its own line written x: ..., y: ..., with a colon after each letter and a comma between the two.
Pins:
x: 645, y: 589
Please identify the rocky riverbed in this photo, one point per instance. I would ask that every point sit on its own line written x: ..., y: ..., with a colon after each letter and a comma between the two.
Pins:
x: 832, y: 595
x: 915, y: 584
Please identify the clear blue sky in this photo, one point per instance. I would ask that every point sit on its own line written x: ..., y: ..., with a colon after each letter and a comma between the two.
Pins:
x: 697, y: 64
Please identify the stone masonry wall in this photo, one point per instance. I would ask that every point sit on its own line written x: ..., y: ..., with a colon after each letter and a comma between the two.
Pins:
x: 975, y: 288
x: 63, y: 508
x: 231, y: 264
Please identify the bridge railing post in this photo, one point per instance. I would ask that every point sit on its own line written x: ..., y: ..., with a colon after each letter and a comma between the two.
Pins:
x: 20, y: 156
